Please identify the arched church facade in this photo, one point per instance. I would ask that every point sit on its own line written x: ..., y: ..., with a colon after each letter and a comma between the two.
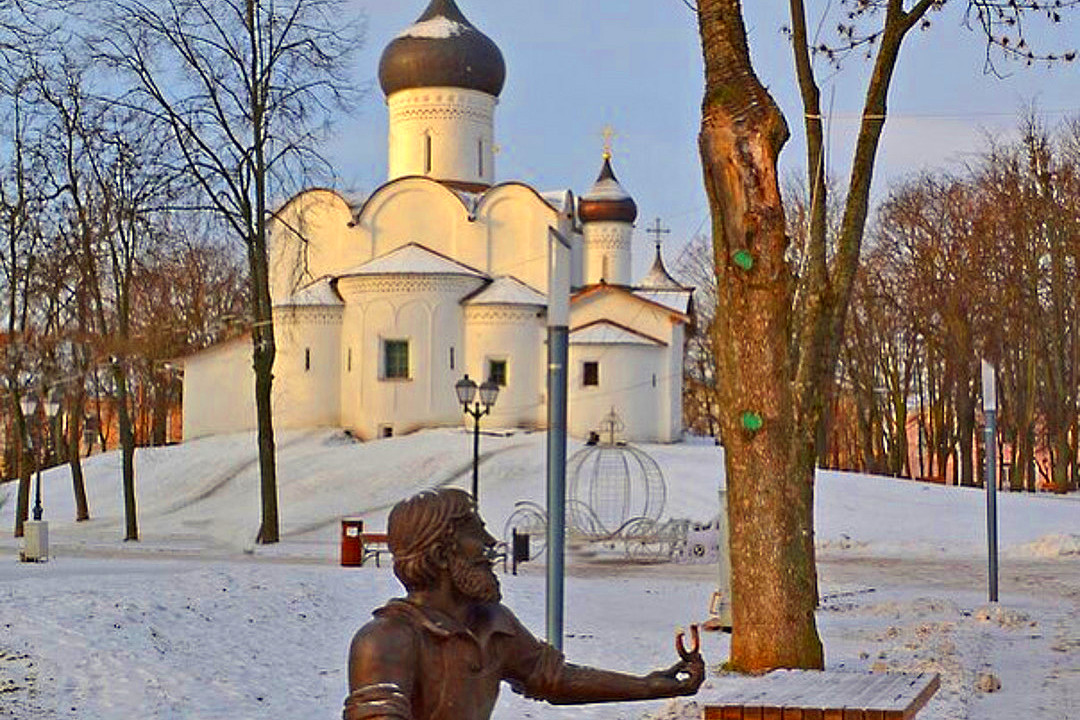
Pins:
x: 381, y: 306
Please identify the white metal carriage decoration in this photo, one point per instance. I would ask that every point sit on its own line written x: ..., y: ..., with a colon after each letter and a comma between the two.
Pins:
x: 616, y: 495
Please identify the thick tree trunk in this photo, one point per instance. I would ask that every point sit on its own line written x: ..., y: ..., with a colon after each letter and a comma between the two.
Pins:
x: 769, y: 468
x: 22, y: 501
x: 264, y: 364
x: 74, y: 435
x: 263, y: 357
x: 965, y: 422
x: 776, y: 358
x: 1062, y: 461
x: 127, y: 453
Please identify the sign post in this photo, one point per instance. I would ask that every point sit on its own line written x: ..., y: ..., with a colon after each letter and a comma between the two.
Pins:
x: 558, y: 341
x: 989, y: 392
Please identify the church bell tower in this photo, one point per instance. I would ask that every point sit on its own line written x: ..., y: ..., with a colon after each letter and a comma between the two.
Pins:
x: 607, y: 214
x: 442, y: 78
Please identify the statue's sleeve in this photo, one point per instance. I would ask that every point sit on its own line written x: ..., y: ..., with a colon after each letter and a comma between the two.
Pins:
x: 382, y: 671
x: 533, y: 668
x: 381, y: 701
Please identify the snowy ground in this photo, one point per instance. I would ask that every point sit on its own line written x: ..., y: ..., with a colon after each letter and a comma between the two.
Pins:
x: 196, y: 622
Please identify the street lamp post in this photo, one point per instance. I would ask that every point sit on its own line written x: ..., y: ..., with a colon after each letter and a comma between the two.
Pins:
x: 989, y: 391
x: 476, y: 408
x: 30, y: 407
x: 36, y: 537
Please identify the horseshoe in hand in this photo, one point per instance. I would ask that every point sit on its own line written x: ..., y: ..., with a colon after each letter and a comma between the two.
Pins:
x: 695, y: 646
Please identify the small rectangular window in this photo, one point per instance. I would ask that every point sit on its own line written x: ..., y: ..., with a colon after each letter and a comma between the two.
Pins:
x: 497, y: 372
x: 451, y: 358
x: 396, y: 359
x: 386, y: 431
x: 307, y: 359
x: 591, y: 374
x: 348, y: 361
x: 427, y: 154
x: 480, y: 156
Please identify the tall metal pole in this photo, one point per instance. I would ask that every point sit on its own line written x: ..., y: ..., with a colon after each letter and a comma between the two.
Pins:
x: 990, y: 410
x: 38, y: 511
x: 558, y: 338
x: 558, y: 346
x: 35, y: 448
x: 476, y: 455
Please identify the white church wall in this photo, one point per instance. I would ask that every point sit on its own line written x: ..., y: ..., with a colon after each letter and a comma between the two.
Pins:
x: 412, y: 210
x: 308, y: 238
x: 672, y: 384
x: 665, y: 404
x: 514, y: 335
x: 425, y: 312
x: 507, y: 236
x: 629, y: 380
x: 622, y: 308
x: 307, y: 366
x: 353, y: 365
x: 607, y: 252
x: 577, y: 260
x: 219, y: 390
x: 515, y: 222
x: 447, y: 358
x: 443, y: 133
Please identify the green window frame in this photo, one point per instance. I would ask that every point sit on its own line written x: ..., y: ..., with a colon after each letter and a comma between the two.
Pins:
x: 590, y: 373
x: 395, y: 359
x: 497, y: 371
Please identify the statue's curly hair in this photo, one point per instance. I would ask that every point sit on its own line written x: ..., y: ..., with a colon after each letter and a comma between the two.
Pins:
x: 418, y: 527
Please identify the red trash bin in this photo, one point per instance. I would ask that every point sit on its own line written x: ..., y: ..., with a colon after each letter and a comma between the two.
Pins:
x: 352, y: 544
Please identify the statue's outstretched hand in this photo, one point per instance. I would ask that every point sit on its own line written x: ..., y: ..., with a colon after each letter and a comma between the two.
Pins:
x: 685, y: 676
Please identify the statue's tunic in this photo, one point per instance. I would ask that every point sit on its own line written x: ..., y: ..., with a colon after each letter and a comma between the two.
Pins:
x: 416, y: 663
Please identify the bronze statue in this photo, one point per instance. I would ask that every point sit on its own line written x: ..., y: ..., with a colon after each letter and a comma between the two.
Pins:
x: 441, y: 652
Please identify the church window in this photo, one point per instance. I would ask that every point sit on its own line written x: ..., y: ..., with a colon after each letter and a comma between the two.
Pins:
x: 605, y: 268
x: 307, y: 359
x: 590, y: 376
x: 480, y: 156
x: 395, y: 359
x: 427, y: 153
x: 348, y: 361
x: 451, y: 358
x: 497, y: 372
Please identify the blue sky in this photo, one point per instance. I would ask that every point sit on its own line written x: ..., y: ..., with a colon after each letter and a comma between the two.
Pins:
x: 574, y: 66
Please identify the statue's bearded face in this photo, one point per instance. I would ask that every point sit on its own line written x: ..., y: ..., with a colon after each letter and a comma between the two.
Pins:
x: 470, y: 568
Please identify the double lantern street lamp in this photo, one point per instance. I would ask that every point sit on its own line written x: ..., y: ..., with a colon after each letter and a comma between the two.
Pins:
x: 466, y: 394
x: 30, y: 406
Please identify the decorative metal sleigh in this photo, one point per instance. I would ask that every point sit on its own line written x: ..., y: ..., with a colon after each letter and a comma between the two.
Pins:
x: 616, y: 495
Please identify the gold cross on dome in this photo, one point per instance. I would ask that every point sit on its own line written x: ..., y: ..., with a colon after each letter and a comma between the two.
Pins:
x: 609, y: 134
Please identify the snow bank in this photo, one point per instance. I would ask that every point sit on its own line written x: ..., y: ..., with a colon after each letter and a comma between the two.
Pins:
x: 1049, y: 546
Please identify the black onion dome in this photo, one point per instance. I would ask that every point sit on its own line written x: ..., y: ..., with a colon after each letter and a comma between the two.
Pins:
x: 442, y: 49
x: 607, y: 201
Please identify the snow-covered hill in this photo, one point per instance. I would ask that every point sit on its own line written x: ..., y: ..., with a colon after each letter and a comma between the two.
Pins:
x: 204, y: 495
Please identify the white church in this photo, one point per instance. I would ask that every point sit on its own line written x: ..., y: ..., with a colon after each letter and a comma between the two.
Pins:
x: 381, y: 306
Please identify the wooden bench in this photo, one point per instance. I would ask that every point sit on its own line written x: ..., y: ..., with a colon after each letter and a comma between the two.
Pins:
x: 818, y: 695
x: 373, y: 546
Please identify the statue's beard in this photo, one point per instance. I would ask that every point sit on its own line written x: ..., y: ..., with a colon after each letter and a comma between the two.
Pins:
x: 475, y: 581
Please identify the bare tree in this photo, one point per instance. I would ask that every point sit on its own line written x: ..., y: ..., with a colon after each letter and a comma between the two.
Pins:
x: 244, y: 87
x: 779, y: 335
x: 21, y: 202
